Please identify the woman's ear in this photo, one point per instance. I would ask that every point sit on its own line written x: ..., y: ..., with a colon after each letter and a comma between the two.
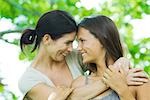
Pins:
x: 47, y: 39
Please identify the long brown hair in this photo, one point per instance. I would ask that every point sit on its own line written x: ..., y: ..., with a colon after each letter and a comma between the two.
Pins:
x: 104, y: 29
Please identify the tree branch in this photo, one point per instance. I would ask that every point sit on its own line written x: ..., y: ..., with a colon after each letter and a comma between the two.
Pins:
x: 9, y: 31
x: 7, y: 41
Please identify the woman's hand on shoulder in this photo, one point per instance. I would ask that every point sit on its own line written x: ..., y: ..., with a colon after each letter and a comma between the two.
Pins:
x: 114, y: 79
x: 136, y: 76
x: 117, y: 82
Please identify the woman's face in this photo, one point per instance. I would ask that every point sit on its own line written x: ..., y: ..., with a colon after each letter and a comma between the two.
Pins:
x: 59, y: 48
x: 89, y: 46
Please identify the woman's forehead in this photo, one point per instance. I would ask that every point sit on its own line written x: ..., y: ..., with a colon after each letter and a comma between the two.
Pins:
x: 84, y: 33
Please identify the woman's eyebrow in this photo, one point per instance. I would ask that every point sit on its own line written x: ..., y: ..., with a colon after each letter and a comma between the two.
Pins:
x: 69, y: 41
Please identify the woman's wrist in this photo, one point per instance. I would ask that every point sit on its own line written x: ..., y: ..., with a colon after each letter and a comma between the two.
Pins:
x: 125, y: 94
x: 122, y: 90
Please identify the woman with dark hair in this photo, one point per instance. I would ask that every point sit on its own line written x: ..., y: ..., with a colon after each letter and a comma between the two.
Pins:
x: 49, y: 76
x: 100, y: 47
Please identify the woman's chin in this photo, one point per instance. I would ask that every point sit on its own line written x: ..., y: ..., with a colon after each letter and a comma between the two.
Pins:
x: 61, y: 58
x: 85, y: 61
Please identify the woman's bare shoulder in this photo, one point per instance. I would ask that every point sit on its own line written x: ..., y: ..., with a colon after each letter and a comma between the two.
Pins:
x: 143, y: 91
x: 145, y: 87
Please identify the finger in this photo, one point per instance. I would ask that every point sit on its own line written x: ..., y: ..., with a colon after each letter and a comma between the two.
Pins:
x: 139, y: 74
x: 67, y: 91
x: 133, y: 70
x: 140, y: 80
x: 135, y: 83
x: 106, y: 76
x: 104, y: 80
x: 112, y: 68
x: 72, y: 88
x: 108, y: 72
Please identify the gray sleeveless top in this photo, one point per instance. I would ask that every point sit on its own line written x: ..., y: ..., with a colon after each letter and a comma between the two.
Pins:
x: 112, y: 96
x: 32, y: 77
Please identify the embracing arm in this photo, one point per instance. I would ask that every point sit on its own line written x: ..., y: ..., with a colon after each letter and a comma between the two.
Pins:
x: 84, y: 91
x: 126, y: 94
x: 44, y: 92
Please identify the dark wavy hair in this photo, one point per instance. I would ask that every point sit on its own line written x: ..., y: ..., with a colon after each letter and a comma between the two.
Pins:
x: 56, y: 23
x: 105, y: 30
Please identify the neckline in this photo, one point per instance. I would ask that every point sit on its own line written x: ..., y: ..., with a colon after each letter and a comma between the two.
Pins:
x: 105, y: 95
x: 109, y: 93
x: 39, y: 72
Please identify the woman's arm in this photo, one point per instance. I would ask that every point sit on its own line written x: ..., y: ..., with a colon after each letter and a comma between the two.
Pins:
x: 44, y: 92
x: 84, y: 91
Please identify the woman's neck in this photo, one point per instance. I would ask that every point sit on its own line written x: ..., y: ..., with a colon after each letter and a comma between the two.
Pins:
x: 101, y: 66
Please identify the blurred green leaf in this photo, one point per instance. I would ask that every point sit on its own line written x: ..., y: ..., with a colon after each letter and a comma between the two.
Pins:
x: 1, y: 87
x: 147, y: 70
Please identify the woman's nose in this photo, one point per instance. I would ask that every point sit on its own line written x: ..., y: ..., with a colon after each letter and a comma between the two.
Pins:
x: 79, y: 48
x: 70, y: 48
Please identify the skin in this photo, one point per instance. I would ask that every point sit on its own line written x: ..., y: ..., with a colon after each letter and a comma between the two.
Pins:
x: 93, y: 52
x: 143, y: 92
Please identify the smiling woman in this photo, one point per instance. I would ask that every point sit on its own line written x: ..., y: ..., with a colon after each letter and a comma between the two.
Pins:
x: 49, y: 73
x: 100, y: 46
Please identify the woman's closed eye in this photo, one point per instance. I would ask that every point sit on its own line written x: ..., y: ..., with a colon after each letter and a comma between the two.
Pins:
x: 68, y: 42
x: 81, y: 40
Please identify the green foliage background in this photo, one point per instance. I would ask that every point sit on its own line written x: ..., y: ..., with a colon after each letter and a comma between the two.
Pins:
x: 118, y: 10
